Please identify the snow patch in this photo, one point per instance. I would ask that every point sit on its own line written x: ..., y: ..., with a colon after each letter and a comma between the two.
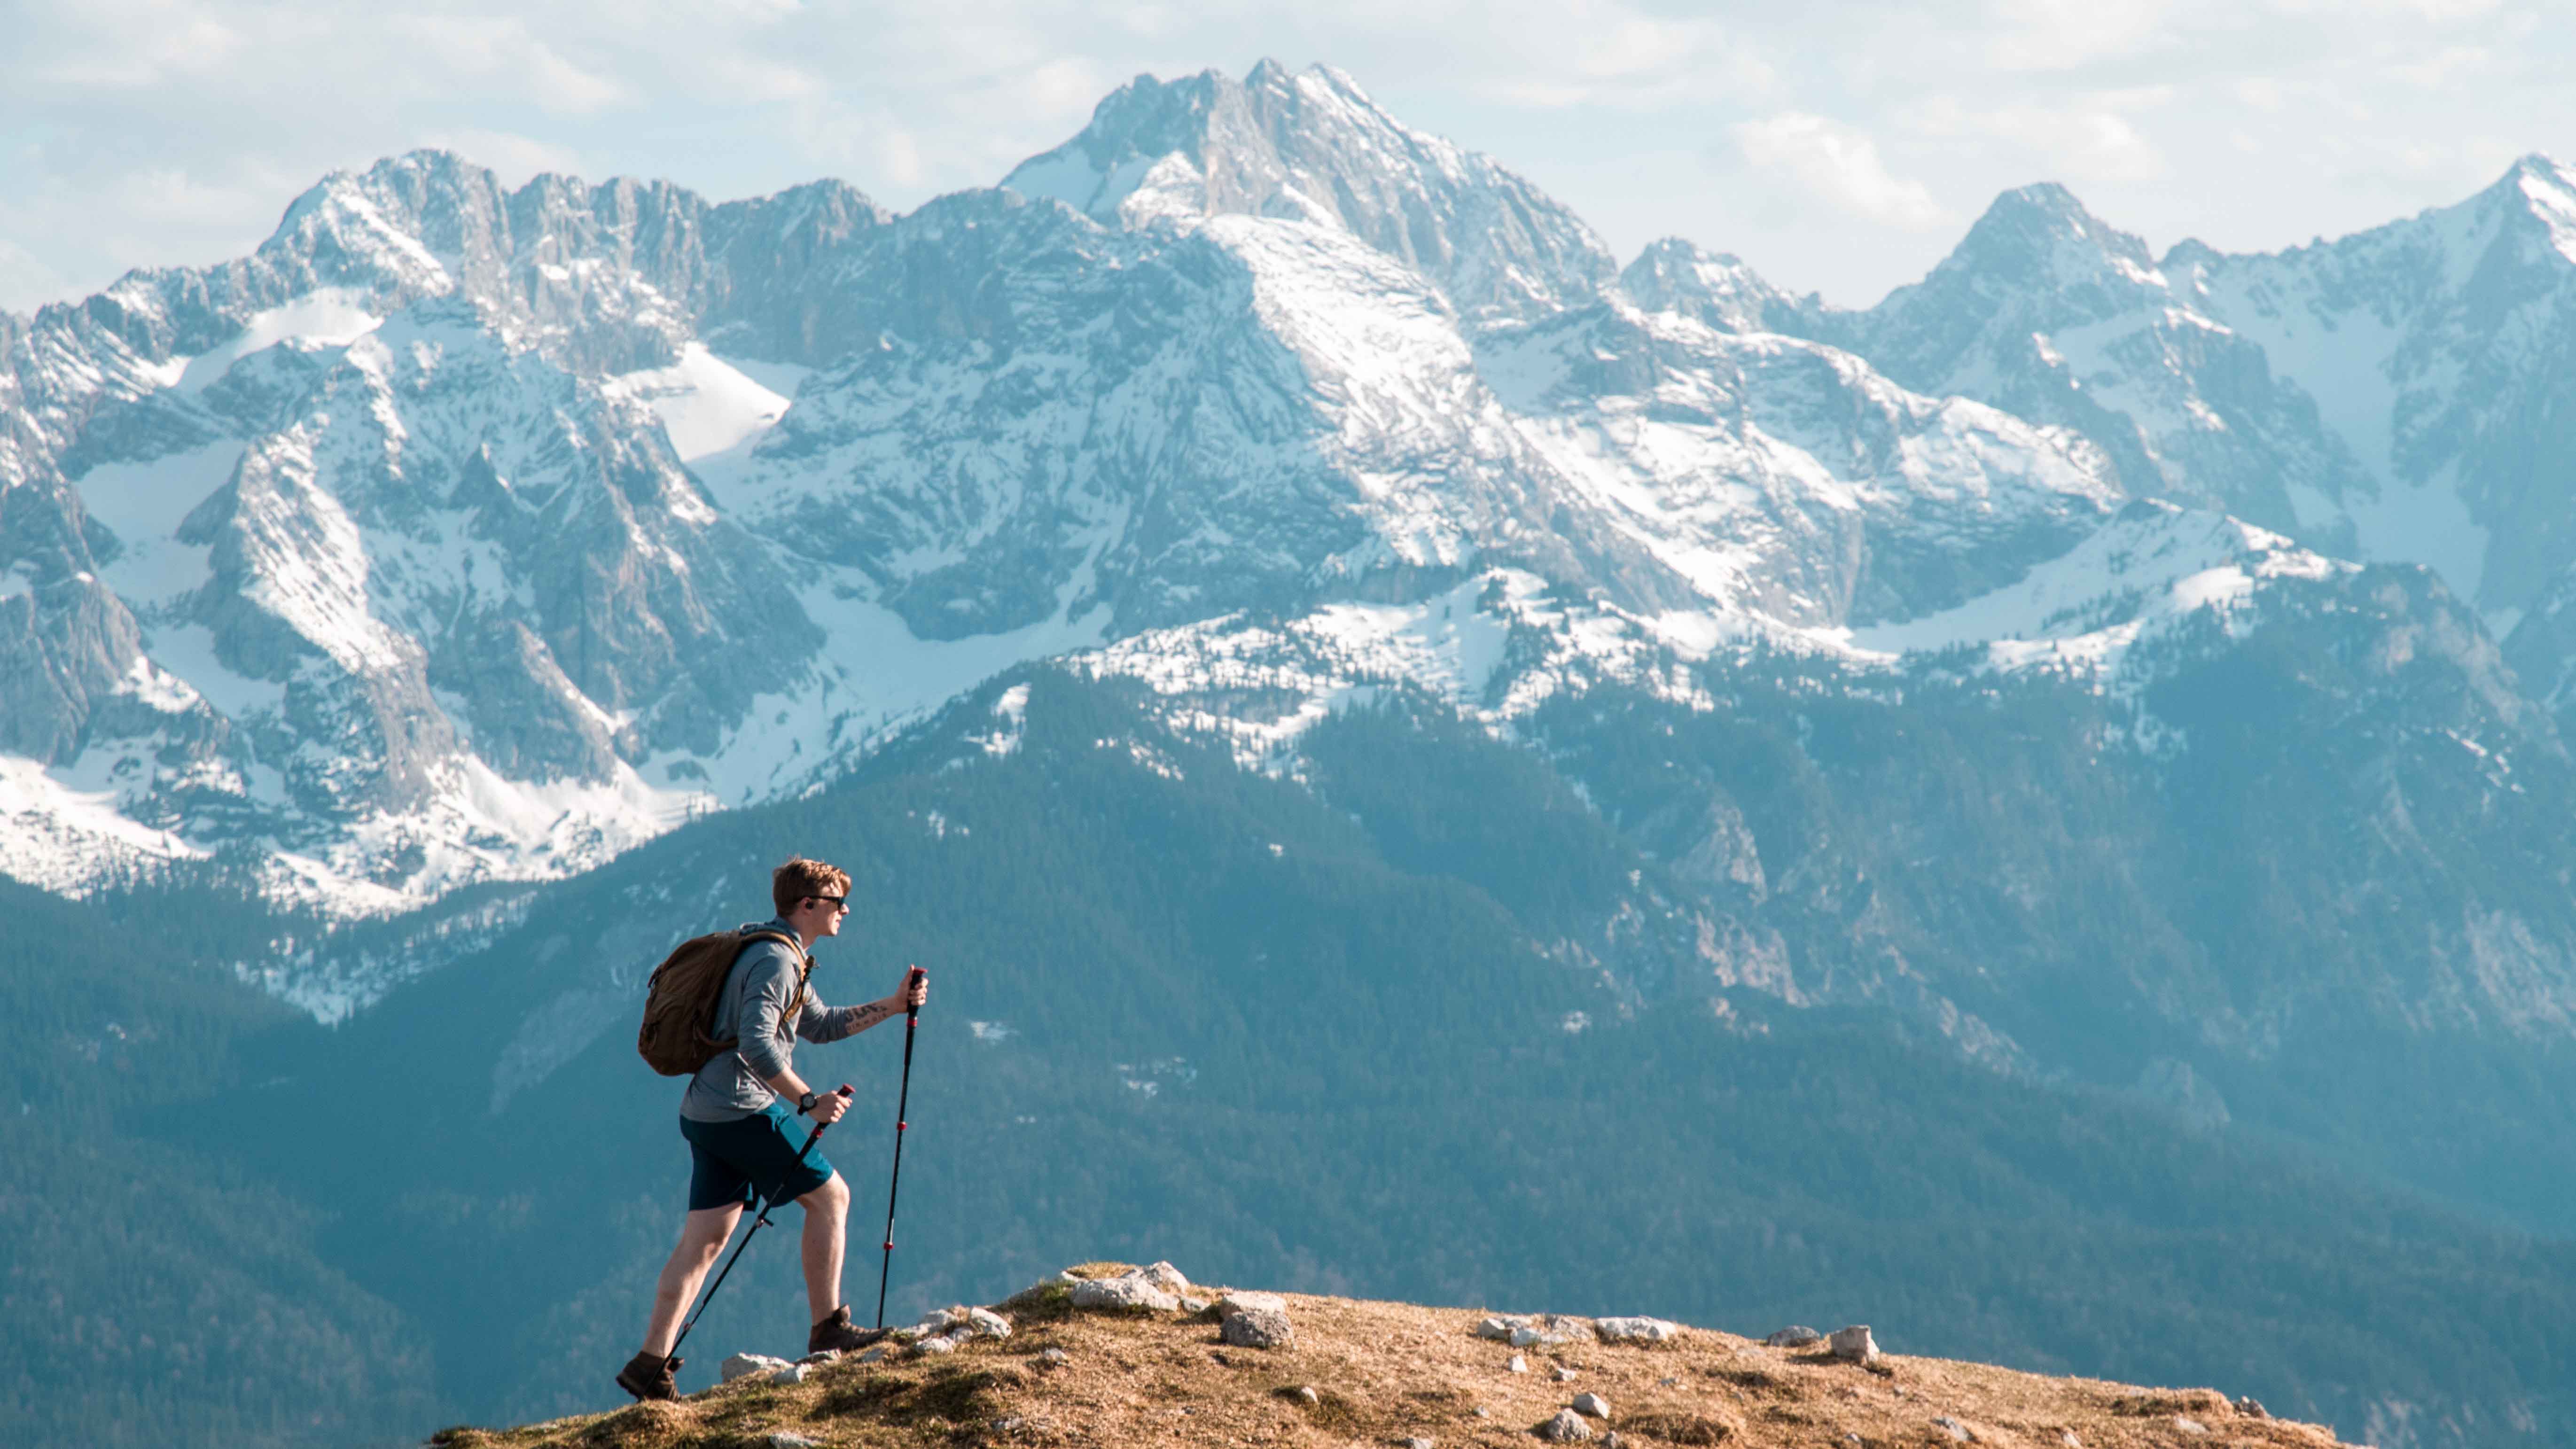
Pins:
x: 709, y: 404
x: 327, y: 316
x: 63, y: 838
x: 143, y: 504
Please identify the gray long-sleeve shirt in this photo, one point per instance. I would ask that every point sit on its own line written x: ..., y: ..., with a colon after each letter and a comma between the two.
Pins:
x: 752, y: 1010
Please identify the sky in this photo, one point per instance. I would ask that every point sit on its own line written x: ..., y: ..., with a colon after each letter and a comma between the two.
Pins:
x: 1839, y: 146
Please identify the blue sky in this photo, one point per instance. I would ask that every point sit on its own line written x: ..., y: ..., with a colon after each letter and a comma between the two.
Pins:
x: 1838, y: 145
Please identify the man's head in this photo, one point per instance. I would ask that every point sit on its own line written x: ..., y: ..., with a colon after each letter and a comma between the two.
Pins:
x: 810, y: 896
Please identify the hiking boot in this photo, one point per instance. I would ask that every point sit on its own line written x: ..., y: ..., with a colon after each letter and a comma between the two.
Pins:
x: 650, y: 1376
x: 837, y: 1332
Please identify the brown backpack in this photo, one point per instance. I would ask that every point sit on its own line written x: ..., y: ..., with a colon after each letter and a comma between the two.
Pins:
x: 680, y: 1003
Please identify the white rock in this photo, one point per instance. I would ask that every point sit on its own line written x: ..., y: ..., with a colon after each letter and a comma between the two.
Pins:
x: 1592, y: 1406
x: 1165, y: 1277
x: 2189, y: 1425
x: 794, y: 1373
x: 1307, y: 1395
x: 785, y: 1440
x: 1055, y: 1358
x: 1417, y: 1442
x: 1255, y: 1302
x: 987, y: 1323
x: 1567, y: 1425
x: 936, y: 1344
x: 1548, y: 1331
x: 1562, y: 1374
x: 1958, y: 1432
x: 2067, y: 1438
x: 1499, y: 1326
x: 821, y: 1356
x: 1855, y: 1345
x: 743, y: 1365
x: 1518, y: 1365
x: 1635, y: 1330
x: 1193, y: 1306
x: 874, y: 1355
x: 1127, y: 1290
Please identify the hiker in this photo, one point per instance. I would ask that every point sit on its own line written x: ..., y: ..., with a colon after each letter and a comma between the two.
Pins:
x: 739, y: 1116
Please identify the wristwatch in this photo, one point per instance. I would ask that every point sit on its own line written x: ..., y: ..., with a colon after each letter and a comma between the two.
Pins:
x: 805, y: 1104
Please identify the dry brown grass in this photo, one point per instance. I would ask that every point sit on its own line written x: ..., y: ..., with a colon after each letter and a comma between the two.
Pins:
x: 1384, y: 1372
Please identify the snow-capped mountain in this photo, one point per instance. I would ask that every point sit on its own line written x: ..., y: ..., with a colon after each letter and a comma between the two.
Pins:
x: 2394, y: 395
x: 463, y: 533
x: 1312, y: 147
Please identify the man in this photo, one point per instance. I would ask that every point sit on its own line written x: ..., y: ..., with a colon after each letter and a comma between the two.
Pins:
x: 739, y: 1116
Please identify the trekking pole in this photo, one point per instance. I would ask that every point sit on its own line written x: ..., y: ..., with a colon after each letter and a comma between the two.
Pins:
x: 902, y: 1099
x: 759, y: 1221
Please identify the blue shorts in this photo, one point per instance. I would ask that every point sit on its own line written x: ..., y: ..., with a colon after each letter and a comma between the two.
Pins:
x: 729, y: 1162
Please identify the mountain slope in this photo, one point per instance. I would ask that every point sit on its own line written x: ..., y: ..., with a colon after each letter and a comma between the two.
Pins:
x: 1184, y: 1009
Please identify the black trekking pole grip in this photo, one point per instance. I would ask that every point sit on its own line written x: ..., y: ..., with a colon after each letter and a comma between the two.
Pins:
x: 902, y: 1104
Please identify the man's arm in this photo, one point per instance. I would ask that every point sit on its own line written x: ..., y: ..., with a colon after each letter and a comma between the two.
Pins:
x: 822, y: 1023
x: 828, y: 1106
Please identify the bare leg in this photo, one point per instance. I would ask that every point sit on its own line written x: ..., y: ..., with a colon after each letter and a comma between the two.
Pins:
x: 827, y: 1217
x: 702, y: 1236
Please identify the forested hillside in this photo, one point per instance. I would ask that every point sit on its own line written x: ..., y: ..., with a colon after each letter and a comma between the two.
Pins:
x: 1184, y: 1011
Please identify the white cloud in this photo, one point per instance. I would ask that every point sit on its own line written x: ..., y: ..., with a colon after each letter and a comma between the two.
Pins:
x: 26, y: 283
x: 2049, y: 35
x: 503, y: 49
x: 2093, y: 137
x: 1837, y: 164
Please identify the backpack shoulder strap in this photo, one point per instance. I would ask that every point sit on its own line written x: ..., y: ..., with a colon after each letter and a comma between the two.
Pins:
x: 804, y: 967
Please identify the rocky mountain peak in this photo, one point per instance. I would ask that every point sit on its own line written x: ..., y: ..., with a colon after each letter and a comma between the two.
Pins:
x: 1312, y: 146
x: 1716, y: 288
x: 2042, y: 233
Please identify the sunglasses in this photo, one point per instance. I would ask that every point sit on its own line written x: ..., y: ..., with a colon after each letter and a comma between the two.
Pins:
x: 837, y: 902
